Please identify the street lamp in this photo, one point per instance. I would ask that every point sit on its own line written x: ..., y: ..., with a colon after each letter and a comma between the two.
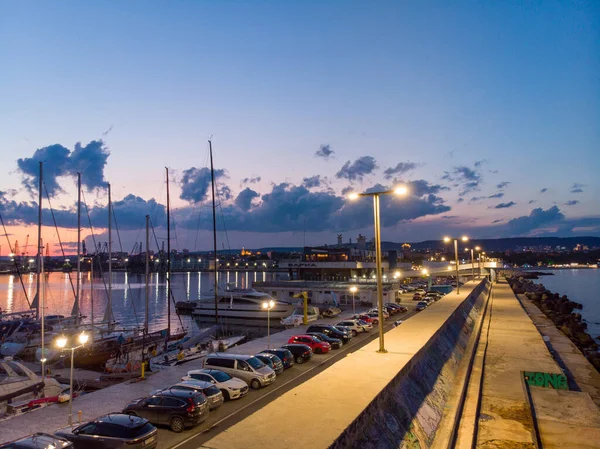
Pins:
x: 268, y: 305
x: 448, y: 240
x: 61, y: 343
x: 400, y: 190
x: 353, y: 290
x: 472, y: 262
x: 478, y: 249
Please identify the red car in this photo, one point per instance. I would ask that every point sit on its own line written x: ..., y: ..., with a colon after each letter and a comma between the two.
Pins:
x: 318, y: 346
x: 364, y: 317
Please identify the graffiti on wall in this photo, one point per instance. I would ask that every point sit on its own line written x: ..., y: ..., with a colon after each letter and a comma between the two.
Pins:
x: 546, y: 380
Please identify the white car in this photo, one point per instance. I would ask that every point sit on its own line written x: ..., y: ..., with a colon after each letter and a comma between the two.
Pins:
x: 231, y: 387
x: 353, y: 326
x: 420, y: 291
x: 386, y: 315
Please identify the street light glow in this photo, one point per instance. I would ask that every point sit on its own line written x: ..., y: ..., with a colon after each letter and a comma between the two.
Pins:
x: 353, y: 289
x: 424, y: 271
x: 464, y: 238
x: 61, y: 341
x: 353, y: 196
x: 83, y: 338
x: 446, y: 239
x: 477, y: 248
x: 401, y: 190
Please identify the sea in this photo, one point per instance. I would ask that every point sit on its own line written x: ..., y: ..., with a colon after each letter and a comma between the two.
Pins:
x: 128, y: 294
x: 581, y: 285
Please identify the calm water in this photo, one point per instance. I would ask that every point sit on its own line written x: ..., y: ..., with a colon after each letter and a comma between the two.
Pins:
x: 128, y: 294
x: 582, y: 286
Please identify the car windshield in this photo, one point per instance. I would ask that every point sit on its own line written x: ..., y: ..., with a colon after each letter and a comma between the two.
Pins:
x: 211, y: 391
x: 255, y: 363
x: 220, y: 376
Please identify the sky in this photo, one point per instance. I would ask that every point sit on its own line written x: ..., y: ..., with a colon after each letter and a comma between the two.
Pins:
x: 487, y: 111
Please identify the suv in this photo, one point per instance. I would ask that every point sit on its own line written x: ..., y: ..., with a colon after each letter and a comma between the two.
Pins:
x: 231, y: 387
x: 318, y: 346
x: 212, y: 393
x: 286, y: 357
x: 39, y: 441
x: 272, y: 361
x: 353, y: 326
x: 335, y: 343
x: 331, y: 331
x: 176, y: 408
x: 247, y: 367
x: 110, y: 431
x: 422, y: 305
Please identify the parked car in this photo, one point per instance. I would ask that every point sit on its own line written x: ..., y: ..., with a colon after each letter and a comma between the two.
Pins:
x: 272, y: 361
x: 318, y: 346
x: 286, y: 357
x: 247, y: 367
x: 301, y: 352
x: 230, y: 387
x: 331, y: 331
x: 409, y: 288
x: 386, y: 315
x: 374, y: 317
x: 390, y: 310
x: 417, y: 297
x: 401, y: 309
x: 115, y: 430
x: 434, y: 293
x: 213, y: 395
x: 39, y: 441
x: 362, y: 316
x: 421, y: 305
x: 335, y: 343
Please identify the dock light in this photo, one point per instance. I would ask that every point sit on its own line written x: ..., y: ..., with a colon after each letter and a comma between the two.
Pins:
x: 268, y: 305
x: 61, y: 342
x: 83, y: 338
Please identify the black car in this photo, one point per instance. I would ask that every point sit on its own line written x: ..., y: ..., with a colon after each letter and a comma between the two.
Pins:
x: 335, y: 343
x: 39, y: 441
x: 112, y: 431
x: 177, y: 409
x: 286, y: 357
x: 302, y: 353
x: 330, y: 331
x: 272, y: 361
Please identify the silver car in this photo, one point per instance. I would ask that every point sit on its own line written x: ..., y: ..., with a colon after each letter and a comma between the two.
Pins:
x: 246, y: 367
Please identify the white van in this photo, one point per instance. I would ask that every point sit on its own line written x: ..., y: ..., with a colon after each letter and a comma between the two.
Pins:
x: 246, y: 367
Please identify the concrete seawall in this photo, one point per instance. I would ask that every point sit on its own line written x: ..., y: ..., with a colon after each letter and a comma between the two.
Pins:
x: 409, y: 409
x: 373, y: 400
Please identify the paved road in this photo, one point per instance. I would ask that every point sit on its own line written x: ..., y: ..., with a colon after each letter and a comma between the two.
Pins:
x: 234, y: 411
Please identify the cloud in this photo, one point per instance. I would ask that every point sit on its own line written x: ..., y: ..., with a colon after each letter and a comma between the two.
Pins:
x: 324, y: 152
x: 195, y: 183
x: 536, y: 219
x: 358, y: 169
x: 571, y: 203
x: 497, y: 195
x: 466, y: 177
x: 478, y: 164
x: 245, y: 197
x: 498, y: 221
x: 532, y: 201
x: 502, y: 184
x: 544, y: 190
x: 494, y: 196
x: 251, y: 180
x: 58, y: 161
x: 399, y: 169
x: 313, y: 181
x: 504, y: 205
x: 577, y: 188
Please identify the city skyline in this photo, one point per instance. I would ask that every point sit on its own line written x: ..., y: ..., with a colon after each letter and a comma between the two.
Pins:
x: 303, y: 106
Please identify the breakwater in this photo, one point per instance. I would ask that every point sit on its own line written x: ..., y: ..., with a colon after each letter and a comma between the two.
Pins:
x: 562, y: 312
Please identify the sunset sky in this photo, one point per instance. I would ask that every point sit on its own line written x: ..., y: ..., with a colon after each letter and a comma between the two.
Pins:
x: 487, y: 111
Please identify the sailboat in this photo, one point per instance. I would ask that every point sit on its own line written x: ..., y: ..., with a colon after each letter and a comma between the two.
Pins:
x: 235, y: 305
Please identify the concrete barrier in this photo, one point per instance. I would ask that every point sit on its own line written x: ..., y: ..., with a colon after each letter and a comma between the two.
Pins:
x: 408, y: 411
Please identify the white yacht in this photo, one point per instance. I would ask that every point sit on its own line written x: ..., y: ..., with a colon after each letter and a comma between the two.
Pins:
x: 242, y: 306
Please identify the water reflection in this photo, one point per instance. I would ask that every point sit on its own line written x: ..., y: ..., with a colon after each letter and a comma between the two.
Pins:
x: 128, y: 294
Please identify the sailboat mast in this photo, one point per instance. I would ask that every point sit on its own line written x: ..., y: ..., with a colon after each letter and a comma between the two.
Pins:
x: 212, y: 177
x: 76, y: 305
x: 92, y: 292
x: 40, y: 250
x: 168, y: 259
x: 109, y: 305
x: 147, y: 271
x: 42, y: 300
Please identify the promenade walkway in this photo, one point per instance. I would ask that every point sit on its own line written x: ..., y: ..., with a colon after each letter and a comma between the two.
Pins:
x: 566, y: 419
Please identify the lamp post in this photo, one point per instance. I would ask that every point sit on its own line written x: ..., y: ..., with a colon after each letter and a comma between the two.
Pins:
x: 483, y: 258
x: 353, y: 196
x: 478, y: 249
x: 448, y: 240
x: 61, y: 342
x: 426, y: 273
x: 268, y: 305
x: 353, y: 290
x: 472, y: 262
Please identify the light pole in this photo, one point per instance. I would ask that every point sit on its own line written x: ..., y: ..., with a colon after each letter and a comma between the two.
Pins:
x: 478, y: 249
x: 353, y: 290
x: 268, y: 305
x: 353, y: 196
x: 61, y: 342
x: 483, y: 258
x: 426, y: 273
x: 448, y: 240
x: 472, y: 262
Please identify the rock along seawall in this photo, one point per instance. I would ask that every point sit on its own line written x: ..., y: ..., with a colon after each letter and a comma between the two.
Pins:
x: 406, y: 413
